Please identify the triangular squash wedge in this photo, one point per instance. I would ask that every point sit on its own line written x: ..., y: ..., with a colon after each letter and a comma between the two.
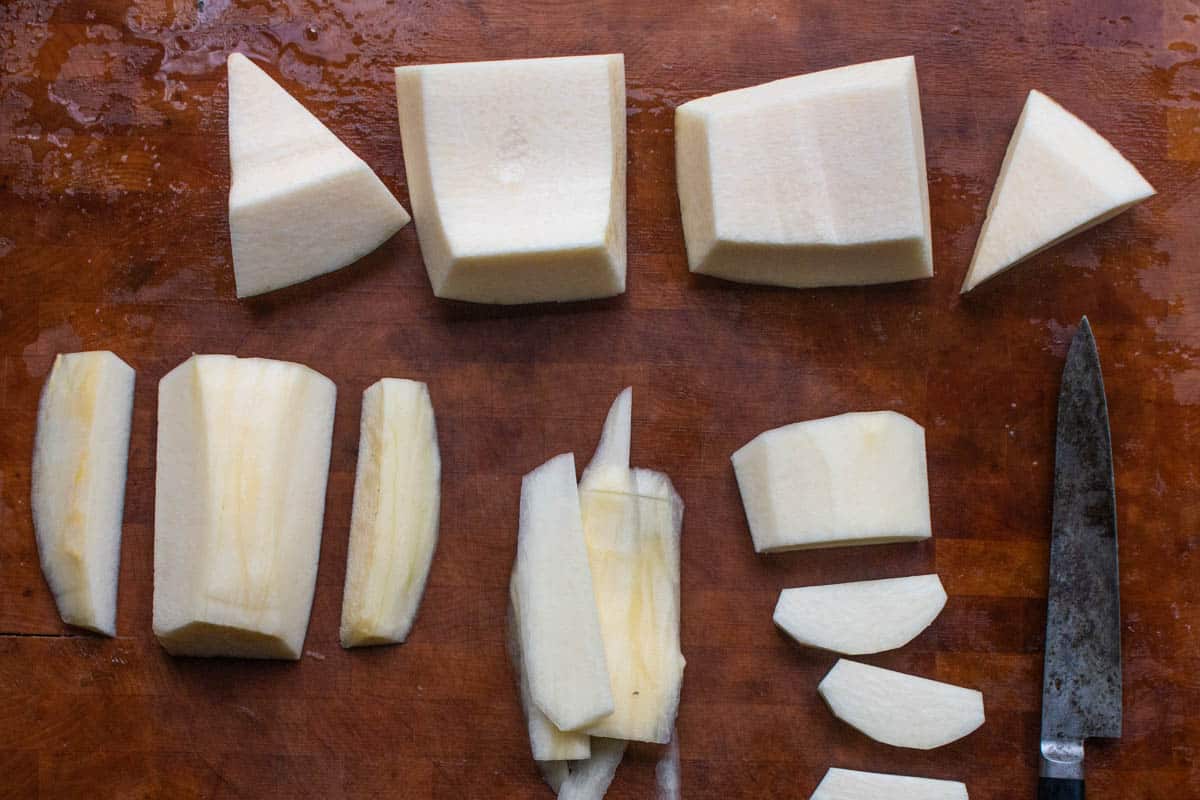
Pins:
x: 1059, y: 177
x: 300, y: 202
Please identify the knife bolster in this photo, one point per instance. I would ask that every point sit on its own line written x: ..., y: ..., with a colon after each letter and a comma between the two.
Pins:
x: 1062, y: 758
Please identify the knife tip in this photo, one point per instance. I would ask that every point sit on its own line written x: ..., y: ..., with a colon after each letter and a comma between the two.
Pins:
x: 1083, y: 343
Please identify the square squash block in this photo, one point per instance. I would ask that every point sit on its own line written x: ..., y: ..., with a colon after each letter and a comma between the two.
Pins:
x: 816, y: 180
x: 516, y: 171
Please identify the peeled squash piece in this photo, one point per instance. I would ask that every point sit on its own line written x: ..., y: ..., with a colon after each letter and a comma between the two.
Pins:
x: 394, y: 523
x: 300, y: 202
x: 861, y: 617
x: 852, y: 479
x: 551, y: 747
x: 243, y: 459
x: 813, y: 180
x: 1059, y: 177
x: 848, y: 784
x: 517, y: 175
x: 899, y: 709
x: 590, y: 779
x: 78, y: 484
x: 561, y: 647
x: 632, y: 520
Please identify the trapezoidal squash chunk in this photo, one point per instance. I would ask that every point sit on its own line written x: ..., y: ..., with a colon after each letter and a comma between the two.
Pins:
x: 856, y: 478
x: 243, y: 460
x: 516, y: 171
x: 814, y: 180
x: 78, y: 484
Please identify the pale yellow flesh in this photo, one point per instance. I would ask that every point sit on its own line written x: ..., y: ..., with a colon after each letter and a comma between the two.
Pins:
x: 394, y: 524
x: 243, y: 459
x: 853, y: 479
x: 633, y: 547
x: 632, y: 520
x: 516, y: 171
x: 78, y: 483
x: 300, y: 202
x: 814, y: 180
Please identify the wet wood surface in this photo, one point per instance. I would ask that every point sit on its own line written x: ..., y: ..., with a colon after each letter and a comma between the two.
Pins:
x: 113, y: 234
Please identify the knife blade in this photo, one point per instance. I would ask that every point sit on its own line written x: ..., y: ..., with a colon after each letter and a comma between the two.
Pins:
x: 1081, y: 682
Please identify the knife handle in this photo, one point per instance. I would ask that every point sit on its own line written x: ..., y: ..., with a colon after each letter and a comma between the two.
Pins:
x: 1060, y: 789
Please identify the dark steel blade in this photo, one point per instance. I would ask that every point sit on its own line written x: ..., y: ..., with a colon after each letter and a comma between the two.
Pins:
x: 1081, y: 688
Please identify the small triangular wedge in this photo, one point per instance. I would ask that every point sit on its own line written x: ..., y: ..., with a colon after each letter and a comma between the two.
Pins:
x: 300, y: 202
x: 1059, y: 177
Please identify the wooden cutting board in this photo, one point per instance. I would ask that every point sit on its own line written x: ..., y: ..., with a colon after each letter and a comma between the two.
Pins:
x: 113, y: 182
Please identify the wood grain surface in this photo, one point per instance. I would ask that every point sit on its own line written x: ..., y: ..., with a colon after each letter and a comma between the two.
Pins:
x: 113, y: 234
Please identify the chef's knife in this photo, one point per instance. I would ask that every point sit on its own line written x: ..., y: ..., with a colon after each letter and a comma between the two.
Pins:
x: 1081, y: 684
